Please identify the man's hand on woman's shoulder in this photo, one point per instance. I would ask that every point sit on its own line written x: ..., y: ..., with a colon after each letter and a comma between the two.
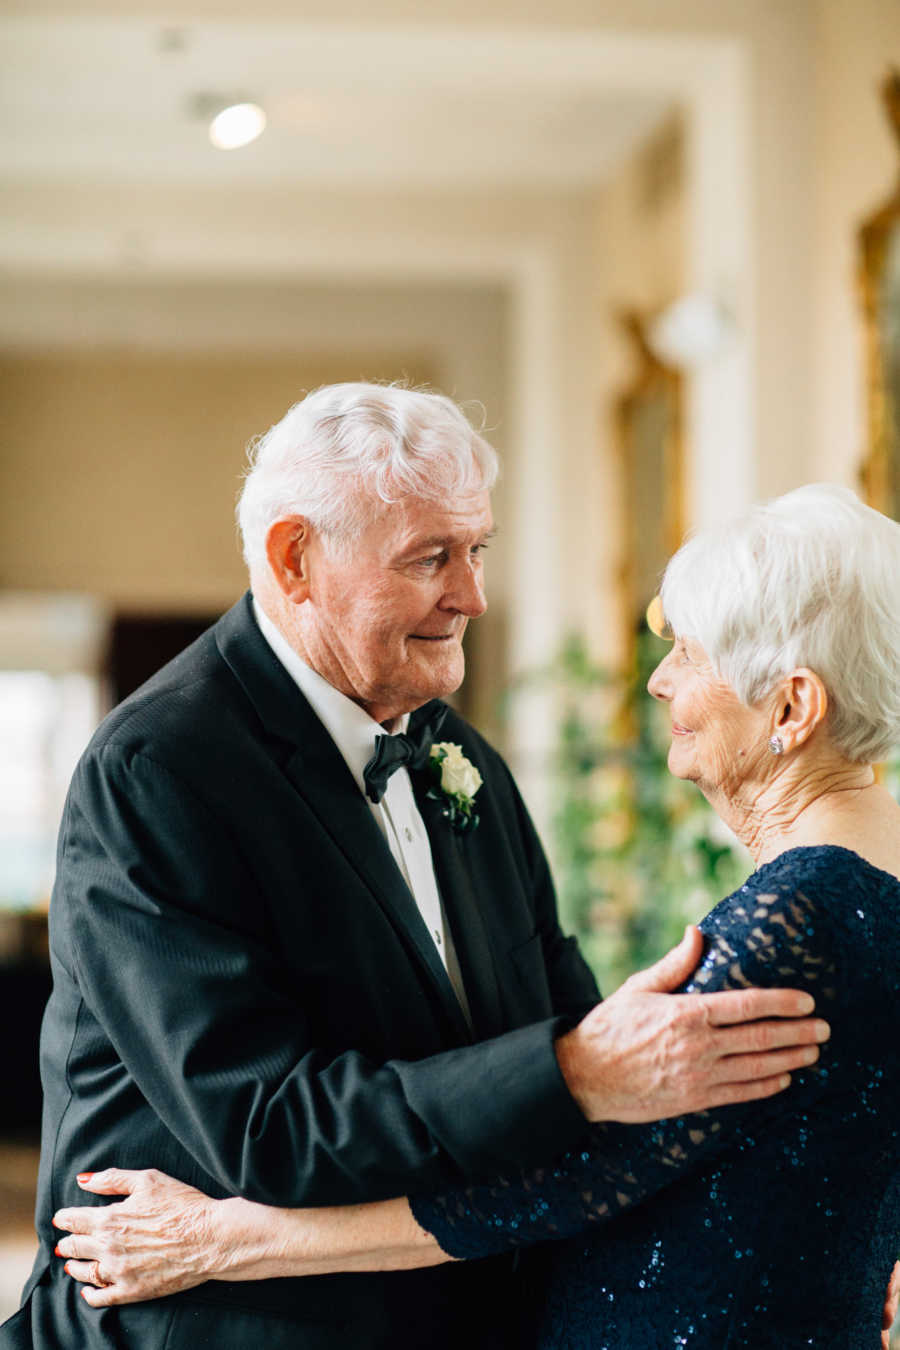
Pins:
x: 647, y: 1054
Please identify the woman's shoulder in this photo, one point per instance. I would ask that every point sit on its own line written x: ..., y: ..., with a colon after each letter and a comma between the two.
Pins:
x: 807, y: 911
x: 825, y: 864
x: 815, y: 877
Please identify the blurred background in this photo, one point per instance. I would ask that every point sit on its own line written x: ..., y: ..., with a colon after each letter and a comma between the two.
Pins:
x: 654, y: 248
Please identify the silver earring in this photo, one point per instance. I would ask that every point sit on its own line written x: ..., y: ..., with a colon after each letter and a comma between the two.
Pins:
x: 776, y: 745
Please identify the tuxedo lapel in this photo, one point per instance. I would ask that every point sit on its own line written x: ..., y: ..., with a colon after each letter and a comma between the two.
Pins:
x: 451, y: 854
x: 316, y: 769
x: 321, y: 777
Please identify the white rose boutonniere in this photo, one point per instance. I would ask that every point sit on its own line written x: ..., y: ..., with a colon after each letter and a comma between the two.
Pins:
x: 456, y: 782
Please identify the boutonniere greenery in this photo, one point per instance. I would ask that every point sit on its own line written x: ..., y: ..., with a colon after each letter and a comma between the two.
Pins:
x: 456, y: 780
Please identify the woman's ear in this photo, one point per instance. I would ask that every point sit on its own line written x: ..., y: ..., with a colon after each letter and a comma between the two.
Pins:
x: 287, y: 548
x: 801, y: 707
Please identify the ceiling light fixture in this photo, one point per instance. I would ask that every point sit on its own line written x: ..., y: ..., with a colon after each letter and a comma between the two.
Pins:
x: 237, y: 125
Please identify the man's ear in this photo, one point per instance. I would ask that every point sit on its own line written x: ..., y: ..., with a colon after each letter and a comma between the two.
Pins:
x: 287, y: 548
x: 801, y: 707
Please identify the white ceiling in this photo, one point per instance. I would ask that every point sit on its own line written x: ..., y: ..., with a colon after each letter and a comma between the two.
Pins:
x: 110, y: 101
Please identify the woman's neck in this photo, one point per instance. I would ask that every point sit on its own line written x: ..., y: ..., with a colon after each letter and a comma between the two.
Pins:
x: 797, y: 808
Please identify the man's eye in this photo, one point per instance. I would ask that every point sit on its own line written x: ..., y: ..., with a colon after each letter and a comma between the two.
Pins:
x: 478, y: 548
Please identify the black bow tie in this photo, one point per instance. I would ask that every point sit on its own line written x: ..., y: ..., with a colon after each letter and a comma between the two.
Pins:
x: 408, y: 749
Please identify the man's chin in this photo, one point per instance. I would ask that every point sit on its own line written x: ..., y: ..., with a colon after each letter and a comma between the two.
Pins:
x: 443, y: 682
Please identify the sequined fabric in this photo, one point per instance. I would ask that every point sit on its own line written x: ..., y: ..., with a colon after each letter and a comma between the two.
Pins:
x: 773, y: 1224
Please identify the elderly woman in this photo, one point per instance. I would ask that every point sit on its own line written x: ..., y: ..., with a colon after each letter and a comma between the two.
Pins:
x: 771, y: 1224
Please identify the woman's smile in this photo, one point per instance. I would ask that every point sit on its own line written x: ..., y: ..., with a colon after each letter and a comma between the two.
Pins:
x: 710, y: 750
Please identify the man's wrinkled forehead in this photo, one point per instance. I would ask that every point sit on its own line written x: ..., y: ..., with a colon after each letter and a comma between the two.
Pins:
x: 466, y: 519
x: 420, y: 522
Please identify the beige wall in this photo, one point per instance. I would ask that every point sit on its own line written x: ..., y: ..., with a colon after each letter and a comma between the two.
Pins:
x: 817, y: 93
x: 129, y: 406
x: 120, y: 470
x: 639, y: 225
x: 857, y: 163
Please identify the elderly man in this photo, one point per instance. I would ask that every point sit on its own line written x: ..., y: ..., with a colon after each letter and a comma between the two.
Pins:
x: 294, y: 956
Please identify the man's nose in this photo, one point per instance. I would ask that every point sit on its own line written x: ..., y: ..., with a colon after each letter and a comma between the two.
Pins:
x: 465, y: 590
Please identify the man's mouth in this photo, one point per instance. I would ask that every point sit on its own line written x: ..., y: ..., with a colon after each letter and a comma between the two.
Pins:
x: 434, y: 637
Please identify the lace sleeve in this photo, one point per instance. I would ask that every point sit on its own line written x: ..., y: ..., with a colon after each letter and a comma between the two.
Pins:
x: 774, y: 935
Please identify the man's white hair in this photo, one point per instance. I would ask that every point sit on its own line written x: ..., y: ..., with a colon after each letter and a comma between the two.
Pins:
x: 810, y: 579
x: 345, y: 447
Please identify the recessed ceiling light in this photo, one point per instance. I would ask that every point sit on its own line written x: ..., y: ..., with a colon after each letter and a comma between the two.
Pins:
x: 237, y: 125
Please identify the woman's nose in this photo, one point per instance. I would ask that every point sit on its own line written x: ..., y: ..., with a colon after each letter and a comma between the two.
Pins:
x: 658, y: 683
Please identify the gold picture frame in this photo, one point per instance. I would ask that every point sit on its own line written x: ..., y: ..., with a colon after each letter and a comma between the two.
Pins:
x: 879, y: 281
x: 650, y: 434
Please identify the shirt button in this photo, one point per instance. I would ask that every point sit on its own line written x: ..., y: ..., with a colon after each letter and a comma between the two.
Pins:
x: 437, y: 937
x: 409, y: 835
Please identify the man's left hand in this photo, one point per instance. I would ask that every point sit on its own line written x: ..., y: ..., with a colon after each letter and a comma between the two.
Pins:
x: 646, y: 1054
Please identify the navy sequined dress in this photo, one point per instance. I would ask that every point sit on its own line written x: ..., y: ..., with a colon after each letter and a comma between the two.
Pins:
x: 774, y: 1224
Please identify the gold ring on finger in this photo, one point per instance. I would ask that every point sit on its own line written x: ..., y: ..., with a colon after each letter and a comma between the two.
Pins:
x: 97, y: 1278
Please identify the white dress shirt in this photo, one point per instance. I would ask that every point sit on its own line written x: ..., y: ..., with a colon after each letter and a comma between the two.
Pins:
x: 353, y: 732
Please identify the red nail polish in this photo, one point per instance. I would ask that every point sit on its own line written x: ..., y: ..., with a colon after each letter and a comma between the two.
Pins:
x: 84, y: 1176
x: 66, y: 1267
x: 56, y: 1251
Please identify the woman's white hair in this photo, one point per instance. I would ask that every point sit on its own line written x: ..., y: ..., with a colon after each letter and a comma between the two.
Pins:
x: 344, y: 447
x: 810, y: 579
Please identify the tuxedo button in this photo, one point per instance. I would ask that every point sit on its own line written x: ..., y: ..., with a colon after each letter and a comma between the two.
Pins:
x: 437, y: 937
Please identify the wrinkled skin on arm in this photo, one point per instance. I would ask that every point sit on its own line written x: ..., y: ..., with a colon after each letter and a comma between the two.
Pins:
x: 167, y: 1237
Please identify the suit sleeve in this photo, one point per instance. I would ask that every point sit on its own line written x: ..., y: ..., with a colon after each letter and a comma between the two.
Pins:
x: 148, y: 920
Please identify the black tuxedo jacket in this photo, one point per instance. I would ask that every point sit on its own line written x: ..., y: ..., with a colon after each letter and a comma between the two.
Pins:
x: 245, y: 996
